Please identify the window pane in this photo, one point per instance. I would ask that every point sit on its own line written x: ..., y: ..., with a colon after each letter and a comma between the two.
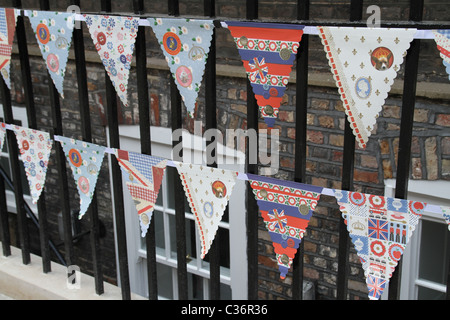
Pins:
x: 195, y: 287
x: 430, y: 294
x: 165, y: 282
x: 433, y: 263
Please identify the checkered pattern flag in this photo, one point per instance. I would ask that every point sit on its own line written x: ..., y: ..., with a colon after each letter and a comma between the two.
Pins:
x: 143, y: 176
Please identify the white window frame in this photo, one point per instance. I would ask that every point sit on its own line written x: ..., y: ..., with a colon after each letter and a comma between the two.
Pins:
x: 434, y: 193
x: 162, y: 146
x: 20, y: 114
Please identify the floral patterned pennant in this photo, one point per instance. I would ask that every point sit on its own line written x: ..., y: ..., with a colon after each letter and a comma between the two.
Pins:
x: 114, y: 38
x: 286, y: 208
x: 143, y: 175
x: 207, y: 191
x: 268, y: 52
x: 35, y: 148
x: 185, y: 44
x: 364, y: 63
x: 85, y: 160
x: 8, y: 19
x: 380, y: 228
x: 442, y: 39
x: 53, y: 32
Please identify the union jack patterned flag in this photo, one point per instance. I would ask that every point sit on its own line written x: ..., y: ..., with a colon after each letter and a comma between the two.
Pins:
x: 267, y: 51
x: 380, y: 228
x: 286, y: 208
x: 376, y: 286
x: 143, y: 176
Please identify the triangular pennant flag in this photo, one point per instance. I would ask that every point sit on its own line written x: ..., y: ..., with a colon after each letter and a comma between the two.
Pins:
x: 2, y: 134
x: 286, y: 208
x: 53, y: 32
x: 114, y: 38
x: 380, y: 228
x: 143, y: 175
x: 8, y: 19
x: 364, y: 63
x: 185, y: 44
x: 207, y: 191
x: 85, y: 160
x: 35, y: 148
x: 442, y: 39
x: 267, y: 51
x: 446, y: 215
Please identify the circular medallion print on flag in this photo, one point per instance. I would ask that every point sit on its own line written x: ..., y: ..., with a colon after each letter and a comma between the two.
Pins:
x: 184, y: 76
x: 171, y: 43
x: 42, y: 33
x: 382, y: 58
x: 52, y: 62
x: 75, y: 157
x: 219, y: 189
x: 363, y: 88
x: 83, y: 184
x: 208, y: 209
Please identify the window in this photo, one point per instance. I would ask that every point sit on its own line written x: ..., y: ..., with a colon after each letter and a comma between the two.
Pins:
x: 232, y: 232
x: 426, y: 258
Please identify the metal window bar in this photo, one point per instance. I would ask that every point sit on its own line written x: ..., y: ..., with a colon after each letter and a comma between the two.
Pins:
x: 411, y: 64
x: 114, y: 142
x: 86, y: 134
x: 300, y: 137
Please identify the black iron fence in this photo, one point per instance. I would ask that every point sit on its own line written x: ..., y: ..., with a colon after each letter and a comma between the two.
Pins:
x: 111, y: 105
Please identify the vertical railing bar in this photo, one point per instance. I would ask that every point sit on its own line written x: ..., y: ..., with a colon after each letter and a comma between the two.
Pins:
x: 252, y: 207
x: 211, y: 123
x: 4, y: 220
x: 347, y: 184
x: 32, y: 123
x: 406, y: 128
x: 114, y: 142
x: 12, y: 144
x: 146, y: 148
x: 301, y: 112
x: 177, y: 123
x: 86, y: 134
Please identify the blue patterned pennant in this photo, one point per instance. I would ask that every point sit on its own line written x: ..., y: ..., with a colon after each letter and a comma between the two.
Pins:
x: 53, y: 32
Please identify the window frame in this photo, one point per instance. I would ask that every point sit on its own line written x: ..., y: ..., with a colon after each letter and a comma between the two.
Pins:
x: 436, y: 192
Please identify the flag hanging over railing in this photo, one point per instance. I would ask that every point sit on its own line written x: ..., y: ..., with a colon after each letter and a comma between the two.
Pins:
x: 268, y: 51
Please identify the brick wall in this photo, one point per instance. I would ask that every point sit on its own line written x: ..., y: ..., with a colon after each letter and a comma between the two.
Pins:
x: 430, y: 148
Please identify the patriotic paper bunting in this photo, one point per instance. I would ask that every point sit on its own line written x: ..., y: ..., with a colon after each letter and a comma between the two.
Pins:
x: 143, y: 176
x: 8, y: 18
x: 53, y: 32
x: 185, y: 44
x: 207, y: 191
x: 267, y: 52
x: 35, y: 147
x: 85, y: 160
x: 364, y: 63
x: 380, y: 228
x: 286, y: 208
x: 442, y: 39
x: 114, y: 39
x: 446, y: 215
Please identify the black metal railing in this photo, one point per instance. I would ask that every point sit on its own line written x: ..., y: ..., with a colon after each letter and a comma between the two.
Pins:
x: 111, y: 105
